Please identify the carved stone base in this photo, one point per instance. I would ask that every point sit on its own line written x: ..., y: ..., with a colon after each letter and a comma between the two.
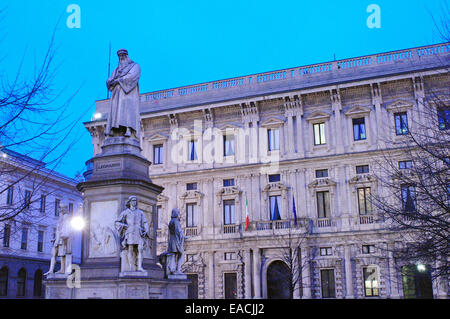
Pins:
x: 118, y: 288
x: 133, y: 274
x: 57, y: 275
x: 177, y: 277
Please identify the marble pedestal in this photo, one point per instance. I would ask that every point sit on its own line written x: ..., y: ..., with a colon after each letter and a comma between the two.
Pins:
x: 117, y: 173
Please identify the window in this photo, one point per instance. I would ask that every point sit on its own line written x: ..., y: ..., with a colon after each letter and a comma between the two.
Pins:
x: 275, y: 202
x: 364, y: 205
x: 362, y: 169
x: 408, y: 198
x: 228, y: 182
x: 10, y: 195
x: 159, y: 212
x: 4, y: 282
x: 191, y: 186
x: 405, y: 164
x: 327, y: 283
x: 27, y: 199
x: 230, y: 285
x: 417, y: 284
x: 444, y: 118
x: 274, y: 178
x: 71, y: 208
x: 191, y: 215
x: 319, y: 133
x: 37, y: 289
x: 228, y: 212
x: 57, y: 208
x: 401, y: 123
x: 24, y: 240
x: 370, y: 281
x: 192, y: 156
x: 368, y: 249
x: 21, y: 282
x: 229, y: 256
x: 6, y: 235
x: 191, y: 257
x: 326, y: 251
x: 359, y: 129
x: 40, y: 244
x: 228, y: 145
x: 323, y: 204
x: 157, y: 154
x: 43, y: 202
x: 320, y: 173
x: 273, y: 139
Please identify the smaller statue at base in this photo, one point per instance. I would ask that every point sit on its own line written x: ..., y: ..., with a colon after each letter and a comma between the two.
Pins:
x: 133, y: 230
x: 172, y: 259
x: 62, y: 244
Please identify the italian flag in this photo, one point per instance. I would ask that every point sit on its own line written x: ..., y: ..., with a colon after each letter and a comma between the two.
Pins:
x: 246, y: 213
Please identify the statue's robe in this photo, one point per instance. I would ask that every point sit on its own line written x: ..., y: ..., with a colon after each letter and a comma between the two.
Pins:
x: 63, y: 243
x: 124, y: 102
x: 132, y: 227
x: 176, y: 237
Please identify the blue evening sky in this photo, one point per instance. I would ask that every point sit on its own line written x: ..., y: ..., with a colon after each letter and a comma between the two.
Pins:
x: 186, y: 42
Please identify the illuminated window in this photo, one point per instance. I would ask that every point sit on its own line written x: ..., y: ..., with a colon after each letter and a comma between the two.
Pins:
x: 371, y: 288
x: 319, y: 133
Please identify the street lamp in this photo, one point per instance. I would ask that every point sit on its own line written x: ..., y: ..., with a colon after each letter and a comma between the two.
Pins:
x: 78, y: 223
x: 421, y: 267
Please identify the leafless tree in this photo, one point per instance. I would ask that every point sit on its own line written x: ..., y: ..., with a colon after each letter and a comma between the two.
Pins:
x: 37, y: 128
x: 414, y: 171
x: 289, y: 246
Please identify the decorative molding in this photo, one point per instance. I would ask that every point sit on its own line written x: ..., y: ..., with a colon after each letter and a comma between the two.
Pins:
x: 318, y: 115
x: 398, y: 105
x: 322, y: 182
x: 357, y: 110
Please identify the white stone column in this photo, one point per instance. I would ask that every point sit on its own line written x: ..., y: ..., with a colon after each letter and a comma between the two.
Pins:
x: 348, y: 273
x: 393, y: 273
x: 290, y: 136
x: 248, y: 272
x: 300, y: 136
x: 306, y: 274
x: 257, y: 273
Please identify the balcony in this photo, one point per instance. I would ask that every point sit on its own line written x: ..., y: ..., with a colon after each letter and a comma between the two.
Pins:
x: 231, y: 229
x: 279, y: 224
x: 323, y: 222
x: 366, y: 219
x: 191, y: 231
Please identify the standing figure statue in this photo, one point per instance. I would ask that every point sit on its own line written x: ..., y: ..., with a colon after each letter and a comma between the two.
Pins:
x: 123, y: 118
x: 175, y: 250
x: 62, y: 244
x: 133, y: 230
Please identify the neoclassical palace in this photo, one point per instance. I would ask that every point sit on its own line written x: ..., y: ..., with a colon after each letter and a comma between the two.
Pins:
x: 286, y: 159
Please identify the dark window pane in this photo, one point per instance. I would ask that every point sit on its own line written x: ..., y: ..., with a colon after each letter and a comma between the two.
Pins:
x: 362, y: 169
x: 230, y: 285
x: 274, y: 178
x: 320, y: 173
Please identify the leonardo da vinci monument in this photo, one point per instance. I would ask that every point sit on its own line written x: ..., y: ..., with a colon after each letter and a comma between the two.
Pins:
x: 119, y: 199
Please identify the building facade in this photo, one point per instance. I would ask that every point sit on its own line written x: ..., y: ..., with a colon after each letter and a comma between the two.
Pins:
x: 31, y: 198
x: 239, y: 156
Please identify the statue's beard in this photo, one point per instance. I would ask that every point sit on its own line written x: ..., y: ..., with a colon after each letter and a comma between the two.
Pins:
x: 124, y: 63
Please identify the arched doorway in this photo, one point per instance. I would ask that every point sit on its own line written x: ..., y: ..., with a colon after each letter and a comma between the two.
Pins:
x: 278, y: 281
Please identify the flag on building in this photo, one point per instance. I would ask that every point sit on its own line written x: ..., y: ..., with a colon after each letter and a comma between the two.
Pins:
x: 246, y: 213
x: 293, y: 210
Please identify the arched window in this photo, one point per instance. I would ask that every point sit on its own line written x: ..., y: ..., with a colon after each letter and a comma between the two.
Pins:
x: 4, y: 281
x: 21, y: 282
x: 37, y: 290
